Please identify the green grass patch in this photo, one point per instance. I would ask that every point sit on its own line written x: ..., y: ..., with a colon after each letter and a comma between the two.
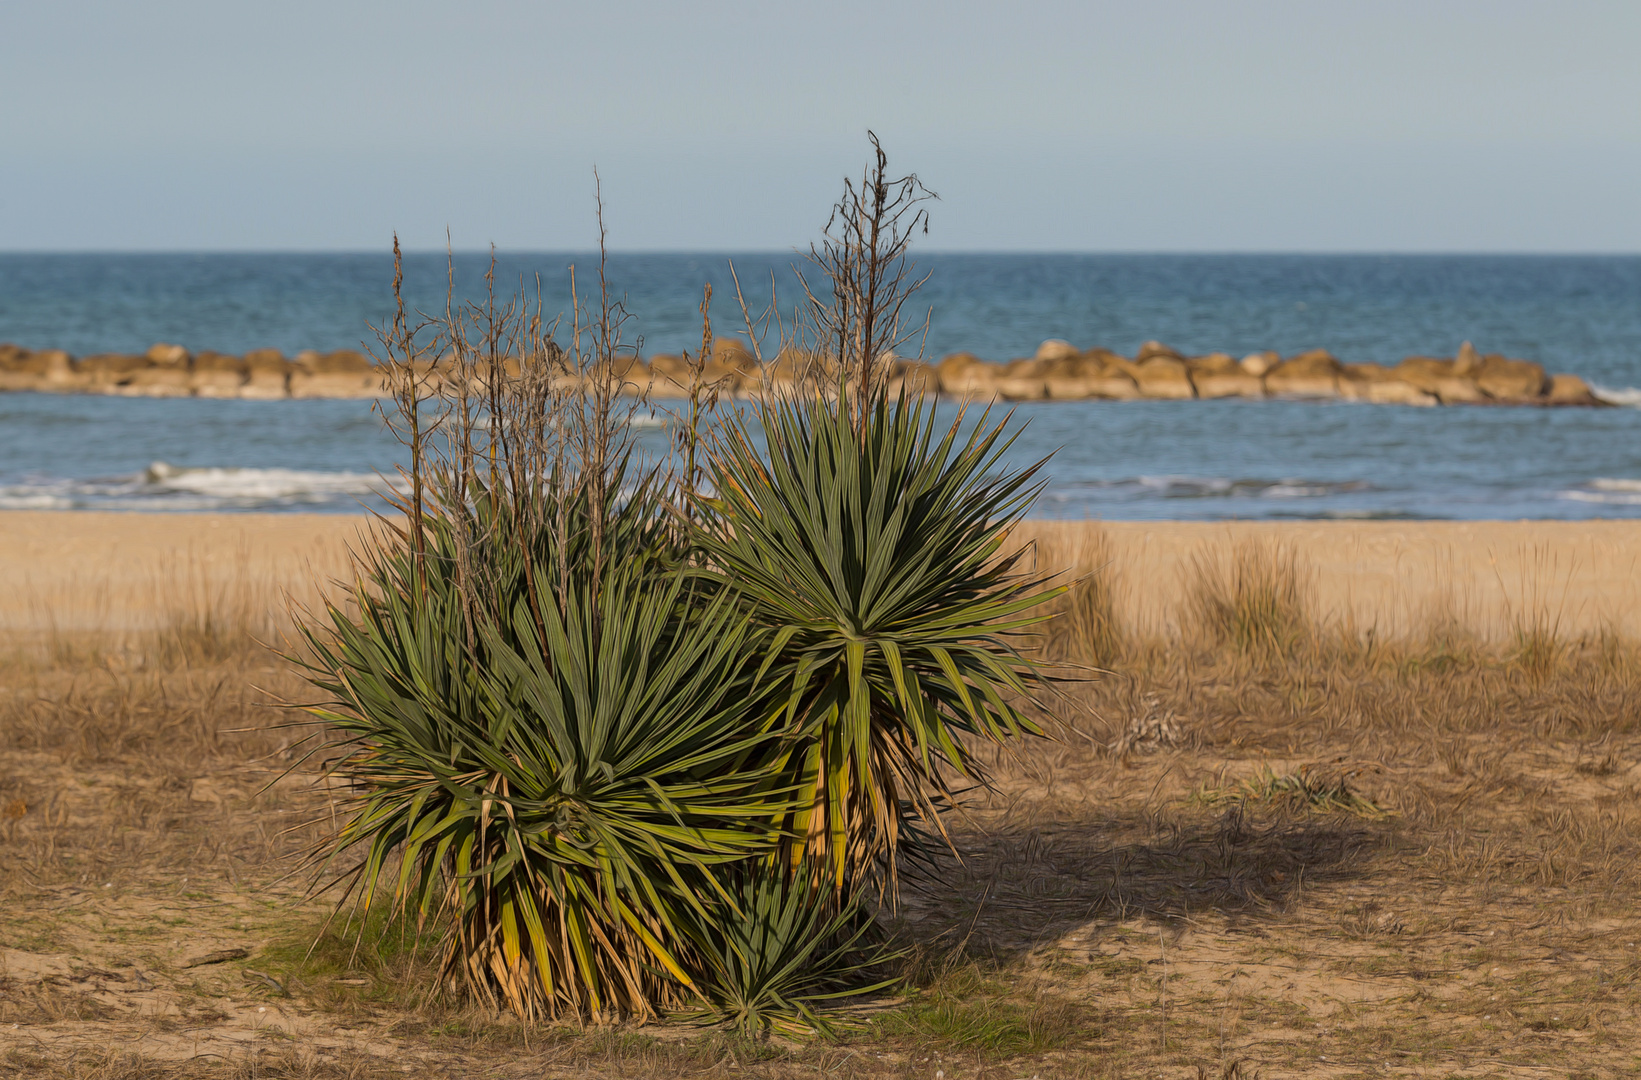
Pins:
x: 967, y: 1013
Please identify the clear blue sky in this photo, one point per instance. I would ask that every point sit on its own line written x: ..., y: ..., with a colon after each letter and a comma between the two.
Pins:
x: 1369, y: 125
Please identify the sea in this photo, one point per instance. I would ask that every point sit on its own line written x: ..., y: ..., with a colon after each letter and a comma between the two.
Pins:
x: 1197, y: 460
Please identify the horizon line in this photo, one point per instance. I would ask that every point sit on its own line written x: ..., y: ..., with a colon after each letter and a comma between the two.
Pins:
x: 764, y: 251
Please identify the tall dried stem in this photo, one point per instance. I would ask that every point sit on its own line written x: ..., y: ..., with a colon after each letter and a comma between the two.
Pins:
x: 863, y: 254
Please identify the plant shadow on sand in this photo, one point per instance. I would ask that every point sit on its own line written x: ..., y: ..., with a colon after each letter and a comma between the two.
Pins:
x: 1019, y: 887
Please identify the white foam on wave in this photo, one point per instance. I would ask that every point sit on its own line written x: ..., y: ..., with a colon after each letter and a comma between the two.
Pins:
x: 25, y: 499
x: 1606, y: 490
x: 1627, y: 395
x: 255, y: 484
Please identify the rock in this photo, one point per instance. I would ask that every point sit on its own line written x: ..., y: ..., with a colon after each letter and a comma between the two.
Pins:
x: 1217, y: 375
x: 1237, y: 384
x: 1570, y: 390
x: 267, y: 377
x: 1116, y: 384
x: 1313, y: 374
x: 1021, y: 388
x: 1397, y: 392
x: 360, y: 384
x: 966, y: 375
x: 340, y: 374
x: 1458, y: 390
x: 1156, y: 349
x: 1074, y: 377
x: 168, y: 355
x: 1055, y: 349
x: 108, y: 370
x: 340, y: 362
x: 1468, y: 362
x: 1436, y: 376
x: 1163, y: 377
x: 916, y: 378
x: 155, y: 381
x: 217, y: 376
x: 1503, y: 379
x: 49, y: 370
x: 1260, y: 363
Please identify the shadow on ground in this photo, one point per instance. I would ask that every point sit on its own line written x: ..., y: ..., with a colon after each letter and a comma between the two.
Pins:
x: 1015, y: 888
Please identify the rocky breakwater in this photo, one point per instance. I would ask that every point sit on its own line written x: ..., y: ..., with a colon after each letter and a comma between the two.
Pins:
x: 1058, y: 372
x: 172, y: 371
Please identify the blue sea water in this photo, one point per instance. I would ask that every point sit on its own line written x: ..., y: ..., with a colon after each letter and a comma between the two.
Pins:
x: 1199, y: 460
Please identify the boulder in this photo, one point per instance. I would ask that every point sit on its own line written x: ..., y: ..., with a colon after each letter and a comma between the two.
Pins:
x: 1570, y: 390
x: 169, y: 380
x: 1313, y: 374
x: 1023, y: 380
x: 966, y: 375
x: 1217, y: 375
x: 340, y: 362
x: 362, y: 384
x: 266, y: 377
x: 1055, y: 349
x: 108, y: 370
x: 733, y: 366
x: 1074, y: 377
x: 1397, y: 392
x: 1503, y: 379
x: 1156, y: 349
x: 165, y: 355
x: 916, y: 378
x: 1115, y: 384
x: 1163, y: 377
x: 340, y: 374
x: 217, y: 376
x: 49, y: 370
x: 1260, y: 363
x: 1380, y: 386
x: 1438, y: 377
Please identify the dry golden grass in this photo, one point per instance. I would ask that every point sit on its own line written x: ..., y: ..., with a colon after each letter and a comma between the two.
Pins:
x: 1263, y: 840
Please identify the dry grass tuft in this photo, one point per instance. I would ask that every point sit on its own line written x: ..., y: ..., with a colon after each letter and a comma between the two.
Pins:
x: 1256, y: 598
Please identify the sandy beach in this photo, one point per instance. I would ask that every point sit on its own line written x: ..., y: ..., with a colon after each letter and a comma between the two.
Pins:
x: 119, y: 571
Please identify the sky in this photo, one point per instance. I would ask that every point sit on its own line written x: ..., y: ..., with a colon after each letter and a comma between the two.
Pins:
x: 1163, y: 125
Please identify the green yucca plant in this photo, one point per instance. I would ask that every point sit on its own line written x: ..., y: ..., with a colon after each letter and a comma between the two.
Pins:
x: 869, y: 546
x: 637, y: 751
x: 562, y: 783
x: 786, y: 948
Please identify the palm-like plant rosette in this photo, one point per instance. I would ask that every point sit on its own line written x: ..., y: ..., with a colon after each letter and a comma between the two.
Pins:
x: 870, y: 545
x: 564, y: 779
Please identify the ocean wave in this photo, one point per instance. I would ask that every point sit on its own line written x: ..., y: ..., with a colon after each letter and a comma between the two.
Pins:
x: 1606, y: 491
x: 1218, y: 487
x: 1627, y: 395
x: 163, y: 486
x: 234, y: 483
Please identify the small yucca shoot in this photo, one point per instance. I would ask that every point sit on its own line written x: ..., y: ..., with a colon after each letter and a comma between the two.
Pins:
x: 789, y: 948
x: 870, y: 547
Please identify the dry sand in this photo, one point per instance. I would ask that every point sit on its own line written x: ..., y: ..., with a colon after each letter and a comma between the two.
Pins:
x: 122, y: 571
x: 119, y: 571
x: 1391, y: 577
